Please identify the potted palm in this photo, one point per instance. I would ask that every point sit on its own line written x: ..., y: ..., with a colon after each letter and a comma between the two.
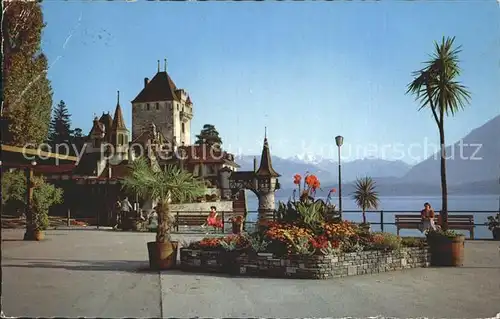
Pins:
x: 365, y: 197
x: 169, y: 184
x: 493, y: 224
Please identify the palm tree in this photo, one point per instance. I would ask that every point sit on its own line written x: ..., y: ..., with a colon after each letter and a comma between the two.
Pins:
x: 436, y: 87
x: 365, y: 195
x: 170, y: 184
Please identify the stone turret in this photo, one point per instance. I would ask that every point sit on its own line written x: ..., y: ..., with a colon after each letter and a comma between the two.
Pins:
x: 266, y: 180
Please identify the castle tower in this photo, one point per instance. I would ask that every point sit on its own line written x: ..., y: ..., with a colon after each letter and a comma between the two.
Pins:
x: 118, y: 135
x: 267, y: 183
x: 162, y: 103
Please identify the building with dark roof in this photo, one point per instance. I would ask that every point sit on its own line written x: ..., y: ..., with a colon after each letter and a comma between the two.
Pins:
x: 168, y: 107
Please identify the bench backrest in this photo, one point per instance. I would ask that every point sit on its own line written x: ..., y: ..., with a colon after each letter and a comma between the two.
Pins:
x: 452, y: 219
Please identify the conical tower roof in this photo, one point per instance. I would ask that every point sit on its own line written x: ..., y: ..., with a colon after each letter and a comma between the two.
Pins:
x: 266, y: 166
x: 118, y: 122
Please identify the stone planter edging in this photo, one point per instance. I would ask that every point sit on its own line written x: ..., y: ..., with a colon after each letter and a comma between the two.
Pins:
x: 306, y: 267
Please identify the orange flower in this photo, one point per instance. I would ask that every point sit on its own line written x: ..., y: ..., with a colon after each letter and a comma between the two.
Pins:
x: 316, y: 184
x: 313, y: 182
x: 296, y: 179
x: 333, y: 190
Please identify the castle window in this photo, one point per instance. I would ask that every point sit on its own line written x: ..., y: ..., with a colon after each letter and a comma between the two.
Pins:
x: 182, y: 126
x: 120, y: 139
x: 147, y: 106
x: 157, y: 106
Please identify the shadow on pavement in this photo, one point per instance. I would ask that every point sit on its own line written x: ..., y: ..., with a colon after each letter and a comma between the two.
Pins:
x: 83, y: 265
x: 105, y: 265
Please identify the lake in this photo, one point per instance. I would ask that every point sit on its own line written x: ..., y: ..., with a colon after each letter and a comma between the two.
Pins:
x: 390, y: 204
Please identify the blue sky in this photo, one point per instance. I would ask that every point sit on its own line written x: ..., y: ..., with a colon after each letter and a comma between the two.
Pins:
x: 307, y: 70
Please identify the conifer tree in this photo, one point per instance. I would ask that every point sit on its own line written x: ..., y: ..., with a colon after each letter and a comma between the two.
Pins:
x: 208, y: 135
x: 60, y: 125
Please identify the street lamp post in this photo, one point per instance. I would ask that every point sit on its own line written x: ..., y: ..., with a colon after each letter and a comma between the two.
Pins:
x: 339, y: 140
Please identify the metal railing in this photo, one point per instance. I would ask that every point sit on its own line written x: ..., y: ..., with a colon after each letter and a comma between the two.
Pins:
x: 387, y: 217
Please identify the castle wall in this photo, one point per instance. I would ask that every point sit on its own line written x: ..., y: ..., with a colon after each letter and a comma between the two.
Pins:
x: 162, y: 117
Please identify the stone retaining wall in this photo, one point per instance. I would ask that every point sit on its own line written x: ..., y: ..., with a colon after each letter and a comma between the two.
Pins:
x: 202, y: 260
x: 307, y: 267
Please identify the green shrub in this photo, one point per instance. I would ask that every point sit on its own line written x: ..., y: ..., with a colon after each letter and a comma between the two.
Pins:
x: 44, y: 196
x: 413, y: 242
x: 442, y: 233
x: 385, y: 241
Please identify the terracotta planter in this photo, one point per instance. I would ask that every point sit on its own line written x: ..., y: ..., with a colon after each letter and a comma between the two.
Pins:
x: 496, y: 233
x: 38, y: 235
x: 237, y: 227
x: 163, y: 256
x: 446, y: 251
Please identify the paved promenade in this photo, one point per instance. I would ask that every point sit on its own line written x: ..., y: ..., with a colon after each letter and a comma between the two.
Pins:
x: 89, y: 273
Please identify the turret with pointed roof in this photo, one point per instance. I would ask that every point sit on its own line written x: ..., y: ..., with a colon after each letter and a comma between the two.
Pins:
x: 266, y: 166
x: 118, y: 121
x: 119, y: 132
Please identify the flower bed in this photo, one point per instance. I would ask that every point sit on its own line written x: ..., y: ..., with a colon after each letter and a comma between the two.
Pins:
x: 308, y: 240
x: 305, y: 266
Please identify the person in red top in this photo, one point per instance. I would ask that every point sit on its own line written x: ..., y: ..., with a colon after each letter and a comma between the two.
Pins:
x: 428, y: 215
x: 213, y: 220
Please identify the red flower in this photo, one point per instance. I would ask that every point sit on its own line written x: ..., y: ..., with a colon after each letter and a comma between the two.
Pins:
x: 319, y: 242
x: 333, y: 190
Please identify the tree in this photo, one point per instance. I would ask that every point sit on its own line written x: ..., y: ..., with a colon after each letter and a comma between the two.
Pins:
x: 436, y: 87
x: 172, y: 183
x: 60, y: 126
x: 77, y: 132
x: 44, y: 195
x: 27, y: 92
x: 365, y: 195
x: 208, y: 135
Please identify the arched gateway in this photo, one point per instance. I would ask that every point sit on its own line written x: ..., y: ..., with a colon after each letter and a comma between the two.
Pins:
x: 262, y: 181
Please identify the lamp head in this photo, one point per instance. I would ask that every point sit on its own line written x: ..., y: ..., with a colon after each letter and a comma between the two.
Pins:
x: 339, y: 140
x: 33, y: 163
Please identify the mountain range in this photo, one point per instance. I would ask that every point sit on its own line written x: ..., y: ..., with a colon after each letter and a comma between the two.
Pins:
x: 473, y: 167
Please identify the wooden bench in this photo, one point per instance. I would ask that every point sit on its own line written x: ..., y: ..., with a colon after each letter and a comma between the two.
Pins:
x: 455, y: 222
x: 191, y: 220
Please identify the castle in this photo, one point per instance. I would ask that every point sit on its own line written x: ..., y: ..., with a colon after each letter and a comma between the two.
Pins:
x: 161, y: 129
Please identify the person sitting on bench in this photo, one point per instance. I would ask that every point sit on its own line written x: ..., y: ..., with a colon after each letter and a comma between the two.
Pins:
x: 427, y: 215
x: 212, y: 219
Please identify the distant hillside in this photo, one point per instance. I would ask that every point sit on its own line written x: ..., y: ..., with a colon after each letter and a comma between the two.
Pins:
x: 480, y: 159
x: 391, y: 187
x: 327, y: 170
